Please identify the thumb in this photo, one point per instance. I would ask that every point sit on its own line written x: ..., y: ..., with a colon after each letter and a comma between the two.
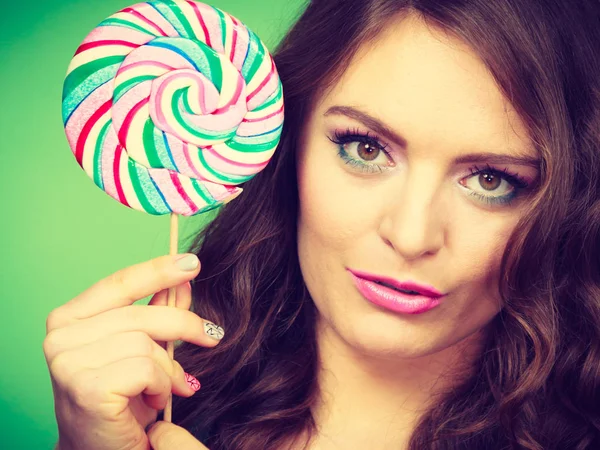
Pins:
x: 167, y: 436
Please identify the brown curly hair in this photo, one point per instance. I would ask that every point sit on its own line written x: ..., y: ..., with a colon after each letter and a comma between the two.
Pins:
x: 537, y: 381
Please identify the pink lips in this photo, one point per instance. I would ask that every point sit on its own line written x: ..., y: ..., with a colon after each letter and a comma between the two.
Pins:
x: 393, y: 299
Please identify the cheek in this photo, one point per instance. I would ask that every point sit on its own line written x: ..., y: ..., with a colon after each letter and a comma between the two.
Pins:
x: 328, y: 205
x: 481, y: 257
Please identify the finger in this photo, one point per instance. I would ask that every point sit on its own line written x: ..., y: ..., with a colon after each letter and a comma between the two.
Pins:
x: 112, y: 349
x: 123, y: 288
x: 161, y: 323
x: 167, y: 436
x: 183, y: 300
x: 106, y: 391
x: 183, y: 296
x: 191, y: 386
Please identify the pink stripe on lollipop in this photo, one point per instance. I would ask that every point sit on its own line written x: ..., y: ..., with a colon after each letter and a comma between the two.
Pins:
x: 180, y: 152
x: 186, y: 152
x: 145, y: 64
x: 263, y: 82
x: 220, y: 191
x: 233, y: 41
x: 153, y: 53
x: 161, y: 89
x: 145, y: 19
x: 112, y: 32
x: 124, y: 130
x: 212, y: 23
x: 148, y: 81
x: 163, y: 178
x: 95, y: 44
x: 260, y: 127
x: 116, y: 164
x: 125, y: 68
x: 242, y: 43
x: 181, y: 191
x: 202, y: 24
x: 87, y: 128
x: 213, y: 152
x: 259, y: 119
x: 109, y: 149
x: 233, y: 100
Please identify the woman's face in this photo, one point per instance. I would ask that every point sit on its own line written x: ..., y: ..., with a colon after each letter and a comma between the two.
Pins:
x: 404, y: 203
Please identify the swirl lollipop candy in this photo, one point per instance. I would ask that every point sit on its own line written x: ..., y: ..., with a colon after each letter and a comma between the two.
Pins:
x: 169, y: 105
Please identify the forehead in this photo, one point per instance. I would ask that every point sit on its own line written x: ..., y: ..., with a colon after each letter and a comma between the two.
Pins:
x: 430, y: 87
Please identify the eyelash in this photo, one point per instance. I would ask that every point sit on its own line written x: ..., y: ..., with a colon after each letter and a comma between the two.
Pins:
x: 344, y: 137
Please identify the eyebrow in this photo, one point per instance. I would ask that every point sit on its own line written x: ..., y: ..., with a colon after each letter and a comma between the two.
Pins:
x: 385, y: 131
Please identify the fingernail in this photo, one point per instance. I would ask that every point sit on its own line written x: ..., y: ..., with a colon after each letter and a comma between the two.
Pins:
x: 192, y: 382
x: 214, y: 331
x: 187, y: 262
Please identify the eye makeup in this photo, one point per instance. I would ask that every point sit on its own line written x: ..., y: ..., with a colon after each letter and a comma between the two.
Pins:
x: 518, y: 183
x: 343, y: 138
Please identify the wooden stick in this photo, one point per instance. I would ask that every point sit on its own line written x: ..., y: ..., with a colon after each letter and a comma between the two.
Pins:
x: 171, y: 300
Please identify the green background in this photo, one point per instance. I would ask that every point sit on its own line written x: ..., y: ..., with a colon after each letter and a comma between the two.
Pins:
x: 61, y: 233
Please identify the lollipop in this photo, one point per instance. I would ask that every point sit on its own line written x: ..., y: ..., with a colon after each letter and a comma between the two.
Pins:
x: 170, y: 105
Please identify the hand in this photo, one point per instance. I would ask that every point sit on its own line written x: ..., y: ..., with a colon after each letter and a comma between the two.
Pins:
x: 109, y: 374
x: 167, y: 436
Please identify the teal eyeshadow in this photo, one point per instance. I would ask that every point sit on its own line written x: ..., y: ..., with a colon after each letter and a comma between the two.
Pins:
x: 505, y: 200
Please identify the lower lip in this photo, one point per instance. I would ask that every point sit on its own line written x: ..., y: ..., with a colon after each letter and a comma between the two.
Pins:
x: 393, y: 300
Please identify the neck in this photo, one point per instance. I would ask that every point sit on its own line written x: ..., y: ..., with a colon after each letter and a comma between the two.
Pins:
x: 375, y: 402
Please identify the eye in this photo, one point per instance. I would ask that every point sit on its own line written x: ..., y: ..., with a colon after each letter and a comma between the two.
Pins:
x: 488, y: 182
x: 362, y: 151
x: 493, y: 185
x: 366, y: 151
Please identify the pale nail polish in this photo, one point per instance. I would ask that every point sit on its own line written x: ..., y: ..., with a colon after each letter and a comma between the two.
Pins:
x: 187, y: 262
x: 213, y: 330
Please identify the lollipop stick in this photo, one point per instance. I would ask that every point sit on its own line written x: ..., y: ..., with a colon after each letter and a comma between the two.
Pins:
x: 171, y: 299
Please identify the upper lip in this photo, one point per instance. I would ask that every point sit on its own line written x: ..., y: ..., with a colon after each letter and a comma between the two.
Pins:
x: 428, y: 291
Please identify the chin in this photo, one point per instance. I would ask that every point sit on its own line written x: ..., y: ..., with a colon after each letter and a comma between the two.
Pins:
x: 378, y: 338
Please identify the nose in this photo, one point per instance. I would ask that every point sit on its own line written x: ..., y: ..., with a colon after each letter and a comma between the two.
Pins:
x: 413, y: 222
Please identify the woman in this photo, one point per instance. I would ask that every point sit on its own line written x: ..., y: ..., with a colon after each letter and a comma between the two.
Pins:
x: 445, y: 147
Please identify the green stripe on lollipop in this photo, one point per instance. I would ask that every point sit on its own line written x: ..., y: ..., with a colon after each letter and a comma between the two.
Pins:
x: 137, y: 187
x: 248, y: 69
x: 164, y: 152
x: 260, y: 56
x: 214, y: 63
x: 172, y: 13
x: 122, y: 89
x: 124, y: 23
x: 201, y: 190
x: 81, y: 73
x: 204, y: 59
x: 220, y: 176
x: 186, y: 102
x: 184, y: 127
x: 81, y: 92
x: 275, y: 97
x: 98, y: 155
x: 215, y: 136
x: 223, y: 26
x: 251, y: 144
x: 149, y: 145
